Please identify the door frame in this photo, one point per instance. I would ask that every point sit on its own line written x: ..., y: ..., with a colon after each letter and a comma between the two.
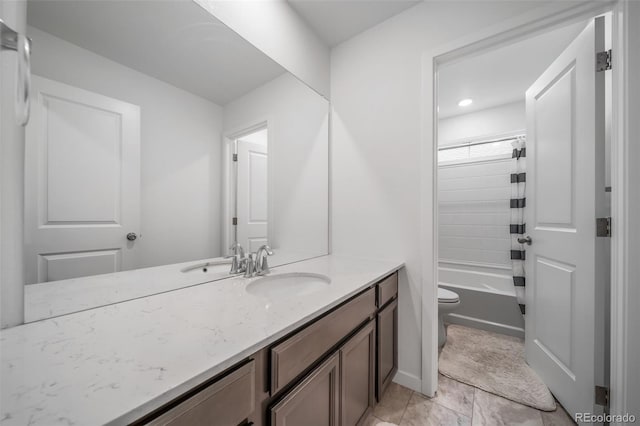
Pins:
x: 624, y: 154
x: 229, y: 138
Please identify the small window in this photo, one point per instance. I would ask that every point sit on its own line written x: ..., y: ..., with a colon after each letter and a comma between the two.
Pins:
x: 475, y: 151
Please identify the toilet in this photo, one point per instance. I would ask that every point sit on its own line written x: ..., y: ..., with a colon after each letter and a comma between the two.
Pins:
x: 448, y: 301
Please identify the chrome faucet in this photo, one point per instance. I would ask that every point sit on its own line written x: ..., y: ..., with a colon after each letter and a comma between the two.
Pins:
x: 262, y: 265
x: 237, y: 264
x: 251, y: 265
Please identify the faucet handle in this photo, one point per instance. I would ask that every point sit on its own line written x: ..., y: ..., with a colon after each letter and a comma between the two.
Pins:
x: 237, y: 249
x: 236, y: 264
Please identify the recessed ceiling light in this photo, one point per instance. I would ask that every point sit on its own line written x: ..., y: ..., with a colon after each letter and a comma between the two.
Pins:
x: 465, y: 102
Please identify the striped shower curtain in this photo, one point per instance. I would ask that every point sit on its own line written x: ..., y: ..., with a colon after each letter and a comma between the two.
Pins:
x: 518, y: 226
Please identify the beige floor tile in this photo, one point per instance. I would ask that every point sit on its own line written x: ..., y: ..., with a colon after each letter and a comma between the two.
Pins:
x: 492, y: 410
x: 374, y: 421
x: 557, y: 418
x: 422, y: 411
x: 394, y: 402
x: 455, y: 395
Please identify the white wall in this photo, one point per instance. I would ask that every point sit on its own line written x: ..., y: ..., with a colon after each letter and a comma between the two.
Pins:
x: 13, y: 14
x: 298, y: 120
x: 376, y: 80
x: 180, y: 149
x: 488, y: 122
x: 276, y: 29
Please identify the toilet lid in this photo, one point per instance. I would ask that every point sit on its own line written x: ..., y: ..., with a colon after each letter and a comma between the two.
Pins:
x: 447, y: 296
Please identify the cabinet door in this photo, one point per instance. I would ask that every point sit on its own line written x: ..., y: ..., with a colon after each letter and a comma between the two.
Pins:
x: 357, y: 367
x: 387, y: 346
x: 313, y: 402
x: 298, y: 352
x: 227, y: 402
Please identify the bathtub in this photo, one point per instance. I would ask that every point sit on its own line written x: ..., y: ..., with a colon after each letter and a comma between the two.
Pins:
x: 487, y: 299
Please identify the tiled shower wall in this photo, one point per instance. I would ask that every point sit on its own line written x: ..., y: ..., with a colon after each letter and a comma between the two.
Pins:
x: 474, y: 213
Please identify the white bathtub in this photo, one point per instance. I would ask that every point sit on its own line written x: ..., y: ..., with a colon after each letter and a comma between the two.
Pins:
x: 487, y: 299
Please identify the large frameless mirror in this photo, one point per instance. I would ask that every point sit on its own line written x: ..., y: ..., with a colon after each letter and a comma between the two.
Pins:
x: 158, y: 139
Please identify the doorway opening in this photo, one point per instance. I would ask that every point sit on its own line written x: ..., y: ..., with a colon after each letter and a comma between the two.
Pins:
x: 248, y: 188
x: 523, y: 176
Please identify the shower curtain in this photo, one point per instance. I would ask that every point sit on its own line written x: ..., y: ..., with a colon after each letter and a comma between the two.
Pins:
x: 518, y: 226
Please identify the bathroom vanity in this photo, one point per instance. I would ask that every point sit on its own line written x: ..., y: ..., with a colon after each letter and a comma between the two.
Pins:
x: 214, y: 351
x: 330, y: 371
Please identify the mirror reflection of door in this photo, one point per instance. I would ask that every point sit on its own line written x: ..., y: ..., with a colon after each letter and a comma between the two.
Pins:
x: 252, y: 190
x: 82, y: 189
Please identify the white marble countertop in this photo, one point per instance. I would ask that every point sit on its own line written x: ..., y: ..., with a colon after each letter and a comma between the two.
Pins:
x: 55, y: 298
x: 114, y: 364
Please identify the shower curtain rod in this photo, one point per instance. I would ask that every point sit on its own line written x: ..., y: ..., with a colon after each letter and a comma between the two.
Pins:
x: 481, y: 142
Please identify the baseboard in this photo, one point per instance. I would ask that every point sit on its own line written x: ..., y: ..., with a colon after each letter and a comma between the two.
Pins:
x: 408, y: 381
x: 484, y: 325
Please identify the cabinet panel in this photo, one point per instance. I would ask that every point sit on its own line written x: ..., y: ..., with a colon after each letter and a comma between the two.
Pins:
x: 357, y: 375
x: 227, y: 402
x: 292, y: 357
x: 387, y: 289
x: 313, y: 402
x: 387, y: 360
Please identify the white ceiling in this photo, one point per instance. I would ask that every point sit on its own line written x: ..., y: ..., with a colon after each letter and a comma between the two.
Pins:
x: 174, y: 41
x: 335, y: 21
x: 501, y: 75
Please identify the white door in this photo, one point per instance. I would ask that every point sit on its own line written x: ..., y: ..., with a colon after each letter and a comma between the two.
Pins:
x: 252, y: 194
x: 82, y: 183
x: 565, y: 194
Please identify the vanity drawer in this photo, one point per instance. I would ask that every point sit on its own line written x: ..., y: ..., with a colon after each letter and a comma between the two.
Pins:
x: 228, y: 401
x: 387, y: 289
x: 293, y: 356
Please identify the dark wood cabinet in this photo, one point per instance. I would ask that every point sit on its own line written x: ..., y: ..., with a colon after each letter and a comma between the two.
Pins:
x: 313, y: 402
x: 357, y: 375
x: 329, y: 372
x: 227, y: 402
x: 387, y: 290
x: 300, y: 351
x: 387, y: 330
x: 339, y: 391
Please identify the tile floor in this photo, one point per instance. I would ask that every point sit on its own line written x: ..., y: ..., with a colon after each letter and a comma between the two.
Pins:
x: 458, y: 404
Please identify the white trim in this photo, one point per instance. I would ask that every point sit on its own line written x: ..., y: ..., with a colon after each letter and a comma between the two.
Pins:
x: 470, y: 264
x: 228, y: 199
x: 429, y: 230
x: 513, y: 30
x: 329, y: 179
x: 229, y: 138
x: 481, y: 324
x: 408, y: 380
x: 625, y: 202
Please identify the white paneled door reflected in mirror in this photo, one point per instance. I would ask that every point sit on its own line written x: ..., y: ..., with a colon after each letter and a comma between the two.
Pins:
x: 158, y: 139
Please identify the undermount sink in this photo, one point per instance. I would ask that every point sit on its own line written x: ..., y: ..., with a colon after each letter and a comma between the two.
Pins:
x: 296, y: 283
x: 205, y: 266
